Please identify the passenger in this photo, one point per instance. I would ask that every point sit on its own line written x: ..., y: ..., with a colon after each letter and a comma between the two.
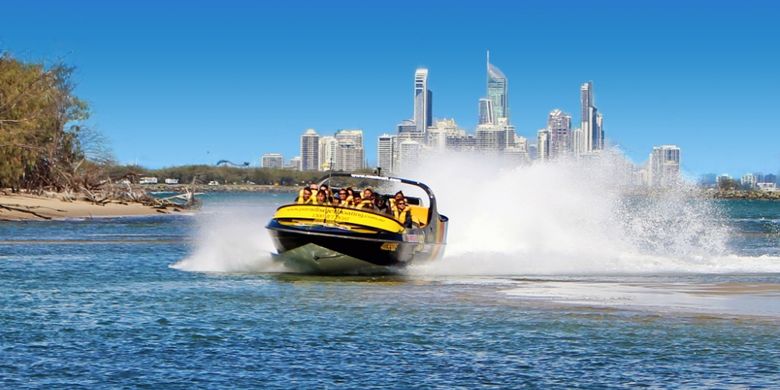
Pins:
x: 344, y: 200
x: 356, y: 200
x: 322, y: 198
x: 367, y: 202
x: 398, y: 196
x: 380, y: 204
x: 325, y: 188
x: 351, y: 197
x: 304, y: 196
x: 402, y: 214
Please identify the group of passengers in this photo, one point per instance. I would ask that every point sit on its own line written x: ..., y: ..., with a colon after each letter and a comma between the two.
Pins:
x: 368, y: 200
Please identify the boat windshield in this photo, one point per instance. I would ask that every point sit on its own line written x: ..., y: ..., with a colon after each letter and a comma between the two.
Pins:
x: 374, y: 194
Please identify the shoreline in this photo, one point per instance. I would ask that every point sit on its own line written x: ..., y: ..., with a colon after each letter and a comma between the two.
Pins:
x: 28, y: 207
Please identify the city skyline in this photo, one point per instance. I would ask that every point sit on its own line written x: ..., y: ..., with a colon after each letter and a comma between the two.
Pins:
x: 692, y: 75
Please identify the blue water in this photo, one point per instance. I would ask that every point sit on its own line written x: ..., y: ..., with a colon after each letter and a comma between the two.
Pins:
x: 96, y: 303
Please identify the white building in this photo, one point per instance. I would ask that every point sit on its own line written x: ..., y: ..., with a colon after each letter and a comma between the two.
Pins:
x: 543, y: 145
x: 296, y: 163
x: 385, y: 153
x: 491, y: 138
x: 559, y: 131
x: 748, y: 180
x: 272, y: 160
x: 409, y: 153
x: 328, y: 145
x: 310, y: 150
x: 349, y: 150
x: 664, y: 166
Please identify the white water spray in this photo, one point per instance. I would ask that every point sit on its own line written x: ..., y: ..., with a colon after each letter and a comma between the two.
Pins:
x: 232, y: 239
x: 572, y: 217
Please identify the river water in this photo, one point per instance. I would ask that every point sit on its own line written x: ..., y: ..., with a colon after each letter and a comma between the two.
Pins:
x: 195, y: 301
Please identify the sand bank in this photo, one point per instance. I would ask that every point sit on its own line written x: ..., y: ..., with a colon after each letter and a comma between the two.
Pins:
x: 25, y: 207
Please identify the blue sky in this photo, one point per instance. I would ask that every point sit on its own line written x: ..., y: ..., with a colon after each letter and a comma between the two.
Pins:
x: 198, y: 81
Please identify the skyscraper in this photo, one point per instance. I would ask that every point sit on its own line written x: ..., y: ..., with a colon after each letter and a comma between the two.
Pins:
x: 486, y: 112
x: 385, y: 151
x: 559, y: 127
x: 423, y: 101
x: 310, y: 150
x: 497, y: 90
x: 592, y: 132
x: 543, y: 144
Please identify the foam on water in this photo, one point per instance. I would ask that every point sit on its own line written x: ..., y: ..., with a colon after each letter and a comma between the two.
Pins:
x: 232, y: 239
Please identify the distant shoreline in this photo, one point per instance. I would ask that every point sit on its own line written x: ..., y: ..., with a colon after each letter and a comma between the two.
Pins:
x: 215, y: 188
x: 707, y: 193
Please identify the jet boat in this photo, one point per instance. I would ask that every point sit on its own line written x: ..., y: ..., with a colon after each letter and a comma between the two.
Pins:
x: 330, y: 239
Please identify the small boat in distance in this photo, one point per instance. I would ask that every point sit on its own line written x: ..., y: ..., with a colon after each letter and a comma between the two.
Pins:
x: 332, y: 239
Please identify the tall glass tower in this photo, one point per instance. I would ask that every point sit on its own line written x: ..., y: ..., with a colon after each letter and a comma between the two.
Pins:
x: 497, y: 90
x: 423, y: 101
x: 593, y: 133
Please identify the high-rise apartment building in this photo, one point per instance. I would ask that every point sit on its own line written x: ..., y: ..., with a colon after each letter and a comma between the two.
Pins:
x: 592, y: 121
x: 423, y: 101
x: 385, y: 153
x: 497, y: 90
x: 310, y: 150
x: 349, y: 150
x: 327, y: 155
x: 543, y: 144
x: 664, y: 169
x: 559, y: 127
x: 409, y: 153
x: 491, y: 138
x: 272, y: 160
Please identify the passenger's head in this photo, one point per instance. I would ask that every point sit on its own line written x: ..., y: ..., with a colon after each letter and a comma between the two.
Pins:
x: 313, y: 187
x: 306, y: 192
x: 321, y: 196
x: 400, y: 204
x: 368, y: 193
x: 399, y: 195
x: 343, y: 194
x: 349, y: 191
x: 324, y: 187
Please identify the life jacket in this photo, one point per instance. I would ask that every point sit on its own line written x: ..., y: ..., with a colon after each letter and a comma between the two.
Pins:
x: 404, y: 217
x: 365, y: 204
x: 346, y: 203
x: 301, y: 200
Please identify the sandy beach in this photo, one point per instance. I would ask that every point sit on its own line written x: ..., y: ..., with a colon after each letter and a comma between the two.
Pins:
x: 45, y: 208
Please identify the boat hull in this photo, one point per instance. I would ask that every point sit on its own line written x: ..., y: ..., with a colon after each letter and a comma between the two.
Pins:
x: 329, y: 250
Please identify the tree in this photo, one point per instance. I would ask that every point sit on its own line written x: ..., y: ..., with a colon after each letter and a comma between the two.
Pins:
x: 40, y: 125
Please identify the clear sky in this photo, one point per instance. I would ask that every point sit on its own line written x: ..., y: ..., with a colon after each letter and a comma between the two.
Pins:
x: 198, y: 81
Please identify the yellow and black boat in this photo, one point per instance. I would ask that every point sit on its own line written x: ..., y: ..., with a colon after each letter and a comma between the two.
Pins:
x: 331, y: 239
